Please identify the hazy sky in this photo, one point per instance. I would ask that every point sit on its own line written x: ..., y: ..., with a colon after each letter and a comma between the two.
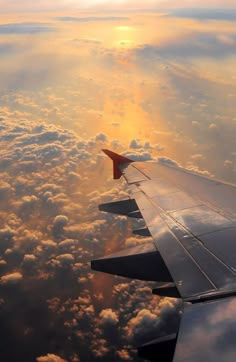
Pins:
x: 106, y: 5
x: 149, y: 84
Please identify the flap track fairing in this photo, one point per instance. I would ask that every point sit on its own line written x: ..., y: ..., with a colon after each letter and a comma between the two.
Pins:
x: 142, y: 232
x: 141, y: 262
x: 127, y: 207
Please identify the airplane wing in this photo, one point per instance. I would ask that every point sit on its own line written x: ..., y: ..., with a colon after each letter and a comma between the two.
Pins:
x: 192, y: 221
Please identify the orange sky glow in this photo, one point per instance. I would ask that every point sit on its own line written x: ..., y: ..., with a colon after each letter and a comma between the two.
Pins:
x: 157, y: 81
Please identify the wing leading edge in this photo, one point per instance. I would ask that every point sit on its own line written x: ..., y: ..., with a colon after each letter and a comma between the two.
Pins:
x: 192, y: 221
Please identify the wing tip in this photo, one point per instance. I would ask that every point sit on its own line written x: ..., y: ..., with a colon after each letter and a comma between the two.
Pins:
x: 117, y: 160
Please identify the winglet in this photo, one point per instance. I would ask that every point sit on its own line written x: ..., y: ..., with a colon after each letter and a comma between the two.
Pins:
x: 118, y: 160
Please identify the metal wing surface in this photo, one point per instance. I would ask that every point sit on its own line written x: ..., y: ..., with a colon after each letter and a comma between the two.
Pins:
x: 192, y: 221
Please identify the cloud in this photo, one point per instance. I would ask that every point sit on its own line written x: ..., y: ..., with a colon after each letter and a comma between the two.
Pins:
x: 192, y: 45
x: 102, y: 137
x: 50, y: 358
x: 13, y: 278
x: 139, y: 155
x: 87, y: 41
x: 25, y: 28
x: 65, y: 259
x: 124, y: 355
x: 92, y: 19
x: 167, y: 161
x: 135, y: 144
x: 29, y: 259
x: 196, y: 169
x: 213, y: 127
x: 150, y: 324
x: 189, y: 166
x: 57, y: 172
x: 6, y: 49
x: 223, y: 14
x: 50, y: 245
x: 108, y: 317
x: 143, y: 323
x: 60, y: 221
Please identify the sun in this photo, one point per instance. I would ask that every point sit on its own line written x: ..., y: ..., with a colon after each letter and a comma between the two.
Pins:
x: 124, y: 36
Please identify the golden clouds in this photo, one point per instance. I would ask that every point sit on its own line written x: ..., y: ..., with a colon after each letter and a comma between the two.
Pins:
x: 143, y: 84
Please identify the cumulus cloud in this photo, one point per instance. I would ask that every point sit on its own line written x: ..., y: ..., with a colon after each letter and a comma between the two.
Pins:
x: 190, y: 165
x: 144, y: 322
x: 213, y: 127
x: 65, y: 259
x: 196, y: 169
x: 34, y: 237
x: 50, y: 239
x: 136, y: 144
x: 108, y: 317
x: 149, y: 324
x: 12, y: 278
x: 50, y: 358
x: 228, y: 163
x: 139, y: 155
x: 29, y: 259
x: 59, y: 222
x: 167, y: 161
x: 102, y: 137
x: 50, y: 227
x: 124, y: 355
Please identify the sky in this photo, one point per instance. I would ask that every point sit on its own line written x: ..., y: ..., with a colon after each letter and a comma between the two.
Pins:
x: 107, y: 5
x: 146, y: 80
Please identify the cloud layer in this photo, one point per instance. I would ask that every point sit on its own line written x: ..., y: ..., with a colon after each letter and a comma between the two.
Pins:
x: 166, y: 95
x: 48, y: 238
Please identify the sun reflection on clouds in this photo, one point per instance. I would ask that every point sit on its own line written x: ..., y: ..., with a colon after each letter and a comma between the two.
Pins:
x: 146, y: 85
x: 125, y: 28
x: 125, y: 37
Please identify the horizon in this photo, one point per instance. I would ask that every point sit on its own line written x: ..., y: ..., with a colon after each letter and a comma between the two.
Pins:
x: 150, y: 84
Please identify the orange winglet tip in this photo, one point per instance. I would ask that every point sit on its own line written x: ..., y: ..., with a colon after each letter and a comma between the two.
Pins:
x: 118, y: 160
